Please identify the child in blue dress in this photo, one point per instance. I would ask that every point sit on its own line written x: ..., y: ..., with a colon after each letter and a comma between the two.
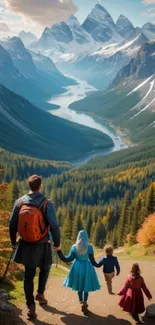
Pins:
x: 82, y: 276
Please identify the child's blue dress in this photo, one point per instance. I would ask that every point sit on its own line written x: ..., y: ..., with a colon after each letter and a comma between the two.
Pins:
x: 82, y: 276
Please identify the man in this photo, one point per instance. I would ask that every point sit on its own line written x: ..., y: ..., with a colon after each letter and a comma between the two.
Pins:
x: 31, y: 252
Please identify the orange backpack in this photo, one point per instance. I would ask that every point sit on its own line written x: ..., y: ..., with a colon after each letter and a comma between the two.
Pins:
x: 31, y: 222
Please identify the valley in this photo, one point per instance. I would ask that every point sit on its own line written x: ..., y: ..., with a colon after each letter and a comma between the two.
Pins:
x: 73, y: 94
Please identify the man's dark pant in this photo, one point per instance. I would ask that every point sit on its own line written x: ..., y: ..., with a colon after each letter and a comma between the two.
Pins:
x: 29, y: 284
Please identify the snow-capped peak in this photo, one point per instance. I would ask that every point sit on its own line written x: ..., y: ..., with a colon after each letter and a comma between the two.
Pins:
x: 100, y: 25
x: 99, y: 7
x: 99, y: 14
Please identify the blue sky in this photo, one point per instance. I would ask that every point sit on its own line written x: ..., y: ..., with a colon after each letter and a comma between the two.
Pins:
x: 34, y: 15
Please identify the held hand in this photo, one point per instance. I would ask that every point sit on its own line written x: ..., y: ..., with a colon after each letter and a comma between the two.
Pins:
x: 118, y: 273
x: 57, y: 248
x: 14, y: 247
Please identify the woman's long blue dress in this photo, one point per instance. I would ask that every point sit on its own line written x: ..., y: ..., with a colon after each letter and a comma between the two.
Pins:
x: 82, y: 276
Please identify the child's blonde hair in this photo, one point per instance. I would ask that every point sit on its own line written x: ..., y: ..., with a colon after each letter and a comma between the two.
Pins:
x: 135, y: 270
x: 109, y: 250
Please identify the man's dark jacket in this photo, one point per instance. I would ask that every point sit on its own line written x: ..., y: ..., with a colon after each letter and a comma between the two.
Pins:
x: 38, y: 254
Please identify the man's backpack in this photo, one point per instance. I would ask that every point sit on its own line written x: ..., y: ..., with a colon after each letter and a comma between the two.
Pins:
x: 31, y: 222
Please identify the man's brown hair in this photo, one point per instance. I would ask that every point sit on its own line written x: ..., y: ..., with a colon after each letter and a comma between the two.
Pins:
x: 34, y: 182
x: 109, y: 250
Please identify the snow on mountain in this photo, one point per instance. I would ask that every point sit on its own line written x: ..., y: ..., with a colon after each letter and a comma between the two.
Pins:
x: 37, y: 73
x: 14, y: 80
x: 100, y: 25
x: 142, y: 66
x: 21, y: 57
x: 46, y: 66
x: 78, y: 32
x: 27, y: 37
x: 60, y: 35
x: 99, y: 68
x: 140, y: 86
x: 124, y: 27
x: 111, y: 49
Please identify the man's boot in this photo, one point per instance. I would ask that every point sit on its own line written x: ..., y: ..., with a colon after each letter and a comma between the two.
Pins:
x: 32, y: 312
x: 41, y: 298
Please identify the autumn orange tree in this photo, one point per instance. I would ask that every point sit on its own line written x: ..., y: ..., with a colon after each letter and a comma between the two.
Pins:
x: 146, y: 234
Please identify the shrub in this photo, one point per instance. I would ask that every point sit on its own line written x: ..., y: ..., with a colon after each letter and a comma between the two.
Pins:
x: 131, y: 240
x: 146, y: 235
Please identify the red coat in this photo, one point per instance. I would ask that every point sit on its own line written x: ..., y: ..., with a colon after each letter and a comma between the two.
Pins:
x: 132, y: 300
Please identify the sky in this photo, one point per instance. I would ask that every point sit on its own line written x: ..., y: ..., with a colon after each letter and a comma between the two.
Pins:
x: 35, y: 15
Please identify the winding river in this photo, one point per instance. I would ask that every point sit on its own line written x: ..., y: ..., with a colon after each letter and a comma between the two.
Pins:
x: 75, y: 93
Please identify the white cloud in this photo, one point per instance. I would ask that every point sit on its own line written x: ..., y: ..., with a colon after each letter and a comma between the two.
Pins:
x: 149, y: 13
x: 4, y: 27
x: 43, y: 12
x: 149, y: 2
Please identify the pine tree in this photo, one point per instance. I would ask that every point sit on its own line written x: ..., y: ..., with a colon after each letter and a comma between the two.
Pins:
x: 13, y: 193
x: 67, y: 228
x: 77, y: 226
x: 89, y: 226
x: 123, y: 221
x: 92, y: 231
x: 135, y: 216
x: 98, y: 238
x: 67, y: 234
x: 150, y: 199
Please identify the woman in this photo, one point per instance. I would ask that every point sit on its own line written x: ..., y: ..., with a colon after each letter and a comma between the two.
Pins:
x: 82, y: 276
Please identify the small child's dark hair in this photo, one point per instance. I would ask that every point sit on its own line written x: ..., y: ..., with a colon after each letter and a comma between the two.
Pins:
x: 109, y: 250
x: 135, y: 270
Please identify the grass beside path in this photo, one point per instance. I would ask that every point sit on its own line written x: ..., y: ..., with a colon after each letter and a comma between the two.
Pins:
x: 138, y: 253
x: 15, y: 288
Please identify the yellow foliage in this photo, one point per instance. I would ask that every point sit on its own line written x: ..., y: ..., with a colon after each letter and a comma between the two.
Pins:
x: 146, y: 235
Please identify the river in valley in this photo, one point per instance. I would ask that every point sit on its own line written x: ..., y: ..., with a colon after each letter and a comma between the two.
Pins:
x: 73, y: 94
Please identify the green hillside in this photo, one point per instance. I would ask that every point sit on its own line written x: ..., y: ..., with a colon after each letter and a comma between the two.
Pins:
x: 114, y: 105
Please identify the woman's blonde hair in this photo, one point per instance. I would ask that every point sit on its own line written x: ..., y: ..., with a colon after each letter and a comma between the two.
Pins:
x: 109, y: 250
x: 82, y: 242
x: 135, y: 270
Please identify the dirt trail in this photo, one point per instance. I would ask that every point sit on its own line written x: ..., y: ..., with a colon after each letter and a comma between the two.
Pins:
x: 63, y: 307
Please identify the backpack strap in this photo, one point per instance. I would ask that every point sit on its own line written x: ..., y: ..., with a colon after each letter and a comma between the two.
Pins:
x: 20, y: 203
x: 44, y: 206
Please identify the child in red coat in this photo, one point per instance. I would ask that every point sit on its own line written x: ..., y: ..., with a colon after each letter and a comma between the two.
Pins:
x: 132, y: 300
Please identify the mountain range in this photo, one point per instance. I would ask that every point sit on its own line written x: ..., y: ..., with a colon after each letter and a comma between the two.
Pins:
x: 96, y: 50
x: 19, y: 73
x: 118, y: 59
